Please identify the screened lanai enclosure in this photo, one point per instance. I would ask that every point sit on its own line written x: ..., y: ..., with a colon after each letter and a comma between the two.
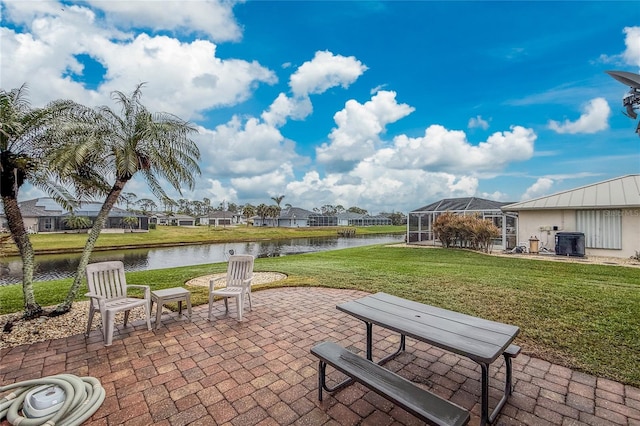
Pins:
x: 420, y: 221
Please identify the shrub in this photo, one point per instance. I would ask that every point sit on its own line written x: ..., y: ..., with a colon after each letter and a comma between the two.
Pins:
x: 465, y: 231
x: 152, y: 226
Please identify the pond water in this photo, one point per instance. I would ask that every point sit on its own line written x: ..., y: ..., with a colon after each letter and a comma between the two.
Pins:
x: 56, y: 266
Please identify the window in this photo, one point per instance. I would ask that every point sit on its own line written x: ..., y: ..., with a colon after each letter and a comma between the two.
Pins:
x: 602, y: 228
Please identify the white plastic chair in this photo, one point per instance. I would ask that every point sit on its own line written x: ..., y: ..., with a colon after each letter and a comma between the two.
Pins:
x: 237, y: 283
x: 108, y: 293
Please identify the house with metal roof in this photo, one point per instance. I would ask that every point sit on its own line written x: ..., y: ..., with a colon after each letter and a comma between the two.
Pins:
x: 357, y: 219
x: 420, y: 221
x: 604, y: 218
x: 46, y: 215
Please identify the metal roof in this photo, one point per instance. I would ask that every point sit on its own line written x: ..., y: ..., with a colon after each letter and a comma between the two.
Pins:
x: 465, y: 204
x: 48, y: 207
x: 621, y: 192
x: 294, y: 212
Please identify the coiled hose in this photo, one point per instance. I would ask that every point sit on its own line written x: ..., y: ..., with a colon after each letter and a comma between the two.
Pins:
x: 83, y: 397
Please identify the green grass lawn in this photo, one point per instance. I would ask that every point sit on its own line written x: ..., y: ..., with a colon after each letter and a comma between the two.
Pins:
x: 583, y: 316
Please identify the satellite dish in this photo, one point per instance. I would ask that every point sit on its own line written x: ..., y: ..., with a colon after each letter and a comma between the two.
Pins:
x: 631, y: 101
x: 630, y: 79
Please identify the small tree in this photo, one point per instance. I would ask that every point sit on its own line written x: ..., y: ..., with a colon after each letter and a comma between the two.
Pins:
x: 27, y: 137
x: 128, y: 198
x: 278, y: 199
x: 130, y: 221
x: 465, y: 231
x: 147, y: 206
x: 263, y: 211
x: 77, y: 222
x: 248, y: 211
x: 115, y: 147
x: 274, y: 212
x: 356, y: 210
x: 444, y: 229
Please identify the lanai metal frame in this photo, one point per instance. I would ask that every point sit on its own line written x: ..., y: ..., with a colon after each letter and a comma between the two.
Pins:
x: 420, y: 221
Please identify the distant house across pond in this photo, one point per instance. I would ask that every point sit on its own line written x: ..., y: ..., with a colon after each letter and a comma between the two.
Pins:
x: 173, y: 219
x: 294, y: 217
x: 291, y: 217
x: 357, y: 219
x: 46, y: 215
x: 220, y: 218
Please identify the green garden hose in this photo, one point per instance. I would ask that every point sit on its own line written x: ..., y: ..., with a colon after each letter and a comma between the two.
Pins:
x: 83, y: 397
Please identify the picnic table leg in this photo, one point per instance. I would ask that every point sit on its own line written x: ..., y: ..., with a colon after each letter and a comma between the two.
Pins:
x: 401, y: 348
x: 322, y: 381
x: 369, y: 340
x: 321, y: 378
x: 508, y: 390
x: 486, y: 417
x: 484, y: 412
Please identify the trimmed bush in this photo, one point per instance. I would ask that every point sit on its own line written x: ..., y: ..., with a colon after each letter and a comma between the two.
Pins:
x: 464, y: 231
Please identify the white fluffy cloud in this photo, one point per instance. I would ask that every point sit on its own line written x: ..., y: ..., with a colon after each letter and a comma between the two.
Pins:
x: 632, y: 40
x: 359, y: 128
x: 183, y: 77
x: 285, y: 107
x: 540, y: 188
x: 475, y: 122
x: 324, y: 71
x: 595, y: 118
x: 372, y: 186
x: 244, y: 148
x: 211, y: 17
x: 441, y: 149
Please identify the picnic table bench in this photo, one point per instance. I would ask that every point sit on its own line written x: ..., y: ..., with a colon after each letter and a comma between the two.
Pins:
x: 420, y: 402
x: 481, y: 340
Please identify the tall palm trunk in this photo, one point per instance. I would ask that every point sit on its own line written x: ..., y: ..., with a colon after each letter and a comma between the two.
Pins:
x: 16, y: 225
x: 98, y: 225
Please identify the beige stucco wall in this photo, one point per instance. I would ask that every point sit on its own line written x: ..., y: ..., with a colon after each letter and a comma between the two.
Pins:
x: 31, y: 223
x: 530, y: 222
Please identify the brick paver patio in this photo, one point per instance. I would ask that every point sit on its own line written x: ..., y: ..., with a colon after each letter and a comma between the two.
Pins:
x: 260, y: 372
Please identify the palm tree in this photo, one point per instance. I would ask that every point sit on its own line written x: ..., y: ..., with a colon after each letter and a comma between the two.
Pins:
x: 278, y: 199
x: 120, y: 145
x: 147, y: 205
x: 130, y: 221
x: 77, y: 222
x: 27, y: 136
x: 128, y: 198
x: 248, y: 211
x: 273, y: 211
x: 168, y: 204
x: 263, y: 211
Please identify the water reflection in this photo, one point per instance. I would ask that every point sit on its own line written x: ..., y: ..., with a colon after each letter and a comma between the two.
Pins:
x: 56, y: 266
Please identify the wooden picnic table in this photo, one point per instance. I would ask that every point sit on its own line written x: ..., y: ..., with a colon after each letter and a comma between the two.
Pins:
x: 478, y: 339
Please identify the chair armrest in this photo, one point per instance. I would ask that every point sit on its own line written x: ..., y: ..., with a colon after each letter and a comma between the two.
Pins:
x: 213, y: 281
x: 147, y: 290
x: 94, y: 296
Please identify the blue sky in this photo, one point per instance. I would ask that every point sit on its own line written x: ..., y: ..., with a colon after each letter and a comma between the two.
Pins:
x: 387, y: 106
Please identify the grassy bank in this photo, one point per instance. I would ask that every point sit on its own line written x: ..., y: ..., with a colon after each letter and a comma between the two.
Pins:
x: 176, y: 235
x: 572, y: 314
